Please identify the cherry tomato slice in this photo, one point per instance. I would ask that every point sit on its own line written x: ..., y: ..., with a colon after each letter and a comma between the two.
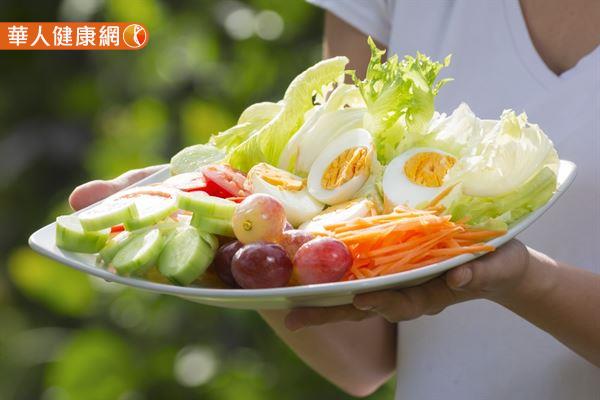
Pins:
x: 213, y: 189
x: 225, y: 177
x: 187, y: 182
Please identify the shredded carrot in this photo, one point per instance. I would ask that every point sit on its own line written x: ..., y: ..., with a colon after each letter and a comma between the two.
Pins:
x: 407, y: 239
x: 441, y: 196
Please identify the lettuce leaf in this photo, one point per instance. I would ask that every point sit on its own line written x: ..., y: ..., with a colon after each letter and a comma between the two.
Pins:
x: 191, y: 158
x: 506, y: 157
x: 252, y: 118
x: 269, y: 141
x: 458, y: 134
x: 321, y: 125
x: 500, y: 212
x: 399, y: 94
x: 373, y: 189
x: 260, y: 113
x: 233, y: 137
x: 509, y: 172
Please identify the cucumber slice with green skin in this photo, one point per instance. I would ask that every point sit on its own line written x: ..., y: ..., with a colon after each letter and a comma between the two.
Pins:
x: 153, y: 204
x: 120, y: 240
x: 210, y: 239
x: 110, y: 212
x: 208, y: 206
x: 185, y: 257
x: 139, y: 254
x: 70, y: 236
x: 114, y: 245
x: 215, y: 226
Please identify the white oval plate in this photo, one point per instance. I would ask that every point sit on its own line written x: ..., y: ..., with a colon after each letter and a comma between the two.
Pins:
x: 327, y: 294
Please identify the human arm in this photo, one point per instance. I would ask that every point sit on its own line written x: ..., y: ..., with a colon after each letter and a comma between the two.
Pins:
x: 558, y: 298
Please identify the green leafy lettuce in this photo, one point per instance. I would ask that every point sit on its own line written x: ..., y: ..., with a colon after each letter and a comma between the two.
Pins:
x: 267, y: 143
x: 399, y: 95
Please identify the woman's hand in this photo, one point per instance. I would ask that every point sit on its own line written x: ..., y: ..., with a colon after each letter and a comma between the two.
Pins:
x: 495, y: 276
x: 94, y: 191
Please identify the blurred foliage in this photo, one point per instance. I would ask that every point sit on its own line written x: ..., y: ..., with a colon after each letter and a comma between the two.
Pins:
x: 67, y: 117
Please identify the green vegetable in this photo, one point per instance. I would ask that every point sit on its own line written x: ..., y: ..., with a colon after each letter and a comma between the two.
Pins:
x: 322, y: 124
x: 114, y: 245
x: 140, y: 253
x: 215, y: 226
x: 260, y: 113
x: 398, y: 92
x: 500, y: 212
x: 458, y: 134
x: 510, y: 154
x: 207, y: 206
x: 193, y: 157
x: 70, y: 236
x: 150, y: 210
x: 185, y: 257
x: 269, y: 141
x: 511, y: 171
x: 110, y: 212
x: 372, y: 188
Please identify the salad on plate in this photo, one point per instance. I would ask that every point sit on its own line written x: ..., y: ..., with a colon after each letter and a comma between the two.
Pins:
x: 336, y: 181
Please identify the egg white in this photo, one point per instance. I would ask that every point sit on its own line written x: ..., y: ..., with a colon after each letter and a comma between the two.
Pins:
x: 359, y: 209
x: 353, y: 138
x: 399, y: 190
x: 299, y: 205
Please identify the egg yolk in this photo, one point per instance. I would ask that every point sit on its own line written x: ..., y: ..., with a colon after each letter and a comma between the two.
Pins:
x: 277, y: 177
x: 428, y: 168
x: 346, y: 166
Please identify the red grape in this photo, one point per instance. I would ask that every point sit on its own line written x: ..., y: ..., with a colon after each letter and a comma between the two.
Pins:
x: 258, y: 218
x: 322, y: 260
x: 261, y: 265
x: 288, y: 226
x: 292, y: 240
x: 222, y: 261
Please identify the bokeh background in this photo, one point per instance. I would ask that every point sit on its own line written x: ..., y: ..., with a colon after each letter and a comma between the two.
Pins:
x: 67, y: 117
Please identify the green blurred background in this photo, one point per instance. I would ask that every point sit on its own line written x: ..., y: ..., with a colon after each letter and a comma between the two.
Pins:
x: 67, y: 117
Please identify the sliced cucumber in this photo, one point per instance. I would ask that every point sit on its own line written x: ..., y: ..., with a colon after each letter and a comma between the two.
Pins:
x: 71, y: 236
x: 114, y: 244
x: 153, y: 205
x: 110, y: 212
x: 140, y: 253
x: 185, y: 257
x: 216, y: 226
x: 207, y: 206
x: 210, y: 239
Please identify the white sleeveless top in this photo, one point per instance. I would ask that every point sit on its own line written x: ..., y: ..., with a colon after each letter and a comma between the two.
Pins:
x: 479, y: 350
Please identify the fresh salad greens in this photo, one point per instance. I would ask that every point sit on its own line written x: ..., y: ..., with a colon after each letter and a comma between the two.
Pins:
x: 398, y: 92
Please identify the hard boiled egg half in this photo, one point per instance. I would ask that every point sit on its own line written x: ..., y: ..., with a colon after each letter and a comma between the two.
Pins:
x: 416, y: 176
x: 340, y: 213
x: 288, y: 188
x: 342, y: 168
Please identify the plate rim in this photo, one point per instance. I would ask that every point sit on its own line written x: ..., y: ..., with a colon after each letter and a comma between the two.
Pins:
x: 332, y: 288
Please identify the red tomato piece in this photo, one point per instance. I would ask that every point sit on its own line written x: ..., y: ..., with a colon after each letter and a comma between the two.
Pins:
x: 230, y: 181
x: 187, y: 182
x: 117, y: 228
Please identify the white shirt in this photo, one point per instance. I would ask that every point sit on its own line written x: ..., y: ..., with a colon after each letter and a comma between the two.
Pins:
x: 479, y: 350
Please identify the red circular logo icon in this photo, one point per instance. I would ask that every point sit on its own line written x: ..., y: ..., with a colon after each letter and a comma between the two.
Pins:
x: 135, y: 36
